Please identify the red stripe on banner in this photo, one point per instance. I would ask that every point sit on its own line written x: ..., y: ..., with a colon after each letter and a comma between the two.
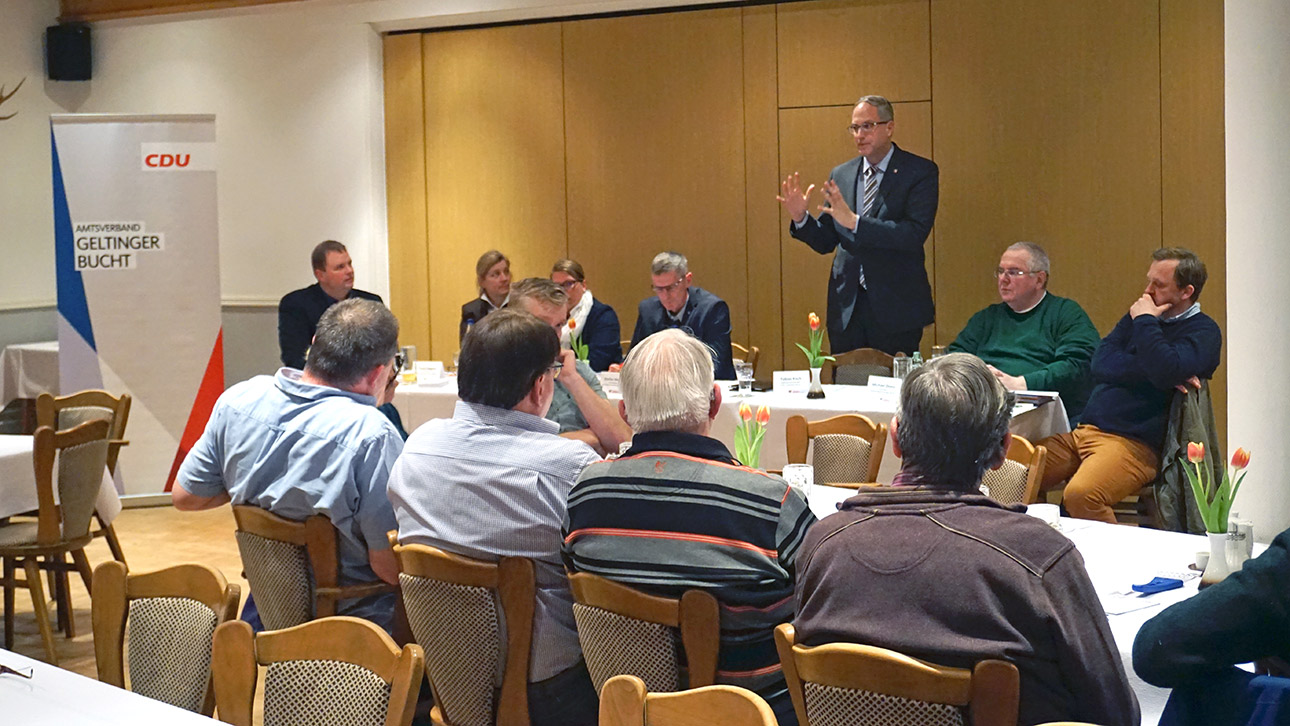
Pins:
x: 212, y: 386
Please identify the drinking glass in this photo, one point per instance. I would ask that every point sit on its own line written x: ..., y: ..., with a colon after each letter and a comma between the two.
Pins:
x: 744, y: 373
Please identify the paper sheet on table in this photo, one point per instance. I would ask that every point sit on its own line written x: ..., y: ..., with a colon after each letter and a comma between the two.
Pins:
x: 1119, y: 603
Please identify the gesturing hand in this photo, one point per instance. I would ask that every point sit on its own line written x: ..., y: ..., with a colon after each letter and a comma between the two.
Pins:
x: 837, y: 206
x: 1146, y: 306
x: 793, y: 198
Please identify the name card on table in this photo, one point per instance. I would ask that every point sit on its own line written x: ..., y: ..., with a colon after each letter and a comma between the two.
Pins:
x: 888, y: 389
x: 792, y: 381
x: 429, y: 371
x: 611, y: 382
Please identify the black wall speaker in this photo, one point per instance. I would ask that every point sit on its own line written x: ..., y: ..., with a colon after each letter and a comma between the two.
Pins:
x: 67, y: 52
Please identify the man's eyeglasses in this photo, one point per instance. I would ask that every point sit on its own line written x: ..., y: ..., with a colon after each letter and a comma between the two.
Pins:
x: 568, y: 284
x: 1013, y: 273
x: 555, y: 368
x: 866, y: 127
x: 660, y: 289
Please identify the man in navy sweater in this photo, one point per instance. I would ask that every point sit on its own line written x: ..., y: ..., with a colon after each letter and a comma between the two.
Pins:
x: 1164, y: 343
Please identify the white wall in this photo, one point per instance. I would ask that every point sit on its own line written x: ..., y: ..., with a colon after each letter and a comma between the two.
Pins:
x: 1257, y: 47
x: 297, y: 93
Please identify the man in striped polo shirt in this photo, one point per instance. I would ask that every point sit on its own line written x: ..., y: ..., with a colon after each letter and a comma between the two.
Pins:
x: 678, y: 512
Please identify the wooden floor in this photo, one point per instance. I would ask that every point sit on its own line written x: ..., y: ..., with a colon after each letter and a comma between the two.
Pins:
x: 152, y: 538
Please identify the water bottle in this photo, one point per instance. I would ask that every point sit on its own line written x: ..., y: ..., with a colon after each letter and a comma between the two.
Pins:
x: 917, y: 362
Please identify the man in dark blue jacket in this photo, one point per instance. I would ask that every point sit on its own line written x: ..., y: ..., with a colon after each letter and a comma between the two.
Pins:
x: 879, y: 208
x: 1164, y: 343
x: 678, y: 304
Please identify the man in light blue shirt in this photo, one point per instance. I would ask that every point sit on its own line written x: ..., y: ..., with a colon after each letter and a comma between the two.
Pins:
x: 492, y: 482
x: 312, y: 442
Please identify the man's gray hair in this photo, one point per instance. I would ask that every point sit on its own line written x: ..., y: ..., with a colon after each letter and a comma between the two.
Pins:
x: 353, y: 337
x: 953, y: 417
x: 537, y: 289
x: 667, y: 383
x: 880, y: 104
x: 665, y: 262
x: 1038, y: 258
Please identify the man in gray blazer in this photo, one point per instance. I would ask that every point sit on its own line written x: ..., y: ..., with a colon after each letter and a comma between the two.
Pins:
x: 879, y: 208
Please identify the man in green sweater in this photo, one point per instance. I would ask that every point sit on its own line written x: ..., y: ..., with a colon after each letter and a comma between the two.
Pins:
x: 1033, y: 340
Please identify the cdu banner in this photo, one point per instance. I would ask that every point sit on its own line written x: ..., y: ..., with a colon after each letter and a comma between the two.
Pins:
x: 137, y: 250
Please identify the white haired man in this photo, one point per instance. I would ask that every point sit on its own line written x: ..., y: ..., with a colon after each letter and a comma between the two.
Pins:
x: 677, y: 511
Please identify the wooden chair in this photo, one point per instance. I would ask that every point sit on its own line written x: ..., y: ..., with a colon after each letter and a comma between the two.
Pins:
x: 171, y: 616
x: 749, y: 355
x: 626, y: 345
x: 1017, y: 481
x: 1140, y: 509
x: 860, y: 685
x: 848, y: 448
x: 337, y: 670
x: 625, y: 631
x: 451, y: 603
x: 625, y: 702
x: 854, y: 367
x: 292, y: 567
x: 60, y: 529
x: 67, y: 411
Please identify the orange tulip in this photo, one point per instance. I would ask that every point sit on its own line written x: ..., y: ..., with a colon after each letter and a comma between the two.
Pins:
x: 573, y: 324
x: 1195, y: 452
x: 745, y: 412
x: 1240, y: 459
x: 814, y: 320
x: 615, y: 367
x: 763, y: 415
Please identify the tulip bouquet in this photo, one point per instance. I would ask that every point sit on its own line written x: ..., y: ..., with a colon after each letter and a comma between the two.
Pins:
x: 1214, y: 500
x: 814, y: 358
x: 575, y: 341
x: 749, y: 434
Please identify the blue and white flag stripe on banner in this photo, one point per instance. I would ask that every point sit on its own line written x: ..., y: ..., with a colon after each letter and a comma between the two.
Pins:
x: 137, y: 250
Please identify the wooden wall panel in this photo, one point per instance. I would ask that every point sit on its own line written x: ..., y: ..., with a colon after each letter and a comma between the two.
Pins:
x: 812, y: 141
x: 1047, y: 120
x: 656, y: 153
x: 405, y: 178
x: 1191, y: 152
x: 831, y: 53
x: 495, y: 155
x: 761, y: 177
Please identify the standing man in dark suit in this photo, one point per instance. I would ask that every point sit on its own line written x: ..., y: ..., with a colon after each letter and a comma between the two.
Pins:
x: 678, y: 304
x: 299, y: 310
x: 878, y: 210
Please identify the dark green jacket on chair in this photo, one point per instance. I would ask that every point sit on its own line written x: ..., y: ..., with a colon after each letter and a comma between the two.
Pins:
x: 1191, y: 418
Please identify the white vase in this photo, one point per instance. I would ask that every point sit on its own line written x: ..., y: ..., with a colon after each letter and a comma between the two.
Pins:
x: 816, y: 390
x: 1216, y: 571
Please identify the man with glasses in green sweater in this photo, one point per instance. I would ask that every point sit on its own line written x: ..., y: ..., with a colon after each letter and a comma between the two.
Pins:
x: 1033, y: 340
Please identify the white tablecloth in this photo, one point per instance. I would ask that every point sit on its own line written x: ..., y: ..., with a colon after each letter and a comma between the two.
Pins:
x: 28, y: 370
x: 18, y: 481
x: 1117, y: 557
x: 420, y: 403
x: 57, y: 697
